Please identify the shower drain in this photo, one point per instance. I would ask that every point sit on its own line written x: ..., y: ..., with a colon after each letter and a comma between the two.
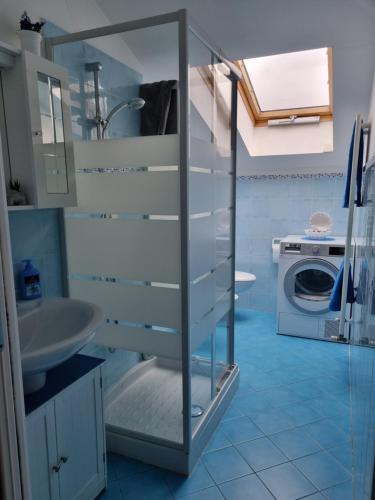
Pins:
x: 196, y: 411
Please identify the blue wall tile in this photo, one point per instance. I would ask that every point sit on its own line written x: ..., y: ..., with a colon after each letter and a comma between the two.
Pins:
x: 272, y: 207
x: 35, y: 235
x: 117, y: 83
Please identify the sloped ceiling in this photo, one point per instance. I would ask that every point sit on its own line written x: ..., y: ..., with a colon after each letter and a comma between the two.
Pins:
x: 249, y: 28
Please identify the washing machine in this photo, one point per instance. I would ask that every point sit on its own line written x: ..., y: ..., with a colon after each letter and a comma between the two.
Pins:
x: 307, y: 272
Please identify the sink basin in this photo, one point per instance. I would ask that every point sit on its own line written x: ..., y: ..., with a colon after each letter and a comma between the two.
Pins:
x: 51, y: 331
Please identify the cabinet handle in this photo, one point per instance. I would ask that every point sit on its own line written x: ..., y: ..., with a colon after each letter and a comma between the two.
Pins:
x: 62, y: 461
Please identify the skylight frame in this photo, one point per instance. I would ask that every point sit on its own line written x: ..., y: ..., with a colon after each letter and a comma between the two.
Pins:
x: 260, y: 118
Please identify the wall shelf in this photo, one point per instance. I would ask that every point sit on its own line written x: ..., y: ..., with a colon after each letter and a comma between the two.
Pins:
x: 18, y: 208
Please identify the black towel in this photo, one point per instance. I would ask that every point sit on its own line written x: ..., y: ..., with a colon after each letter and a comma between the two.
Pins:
x: 159, y: 114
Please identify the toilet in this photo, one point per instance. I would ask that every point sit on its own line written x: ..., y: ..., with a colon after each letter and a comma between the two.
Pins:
x: 243, y: 281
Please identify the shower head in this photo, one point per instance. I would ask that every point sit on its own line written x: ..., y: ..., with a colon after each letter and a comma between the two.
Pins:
x: 93, y: 66
x: 136, y: 103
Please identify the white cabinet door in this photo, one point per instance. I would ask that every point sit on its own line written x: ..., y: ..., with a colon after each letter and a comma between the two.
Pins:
x: 43, y: 453
x: 80, y: 439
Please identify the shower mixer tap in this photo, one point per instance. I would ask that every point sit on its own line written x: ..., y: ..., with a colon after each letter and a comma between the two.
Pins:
x: 99, y: 121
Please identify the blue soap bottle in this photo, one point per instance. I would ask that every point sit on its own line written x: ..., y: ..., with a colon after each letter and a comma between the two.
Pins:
x: 30, y: 282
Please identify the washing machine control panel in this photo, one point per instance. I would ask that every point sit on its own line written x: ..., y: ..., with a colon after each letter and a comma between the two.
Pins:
x: 291, y: 247
x: 313, y: 249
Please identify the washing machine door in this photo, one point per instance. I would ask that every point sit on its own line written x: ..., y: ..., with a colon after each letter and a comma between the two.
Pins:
x: 308, y: 285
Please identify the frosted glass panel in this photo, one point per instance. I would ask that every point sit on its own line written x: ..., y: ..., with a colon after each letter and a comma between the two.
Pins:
x: 134, y: 249
x: 211, y: 205
x: 210, y: 243
x: 140, y: 340
x: 208, y: 291
x: 134, y: 192
x: 202, y: 192
x: 123, y: 240
x: 151, y: 305
x: 209, y: 192
x: 206, y: 155
x: 129, y: 152
x: 207, y: 325
x: 223, y: 191
x: 202, y: 246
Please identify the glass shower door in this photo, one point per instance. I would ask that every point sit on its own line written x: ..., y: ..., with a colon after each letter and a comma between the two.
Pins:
x: 210, y: 223
x: 362, y: 353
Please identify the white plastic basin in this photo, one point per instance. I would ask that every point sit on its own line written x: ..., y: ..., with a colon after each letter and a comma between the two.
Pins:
x: 51, y: 331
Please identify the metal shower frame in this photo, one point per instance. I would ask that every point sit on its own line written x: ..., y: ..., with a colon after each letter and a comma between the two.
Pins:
x: 219, y: 403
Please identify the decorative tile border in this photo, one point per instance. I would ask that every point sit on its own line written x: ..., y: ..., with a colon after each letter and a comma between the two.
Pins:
x: 329, y: 175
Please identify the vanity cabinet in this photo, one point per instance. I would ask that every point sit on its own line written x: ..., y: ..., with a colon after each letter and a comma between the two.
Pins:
x: 66, y: 441
x: 39, y: 131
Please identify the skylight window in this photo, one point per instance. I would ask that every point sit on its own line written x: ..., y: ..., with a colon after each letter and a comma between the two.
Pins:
x: 284, y: 85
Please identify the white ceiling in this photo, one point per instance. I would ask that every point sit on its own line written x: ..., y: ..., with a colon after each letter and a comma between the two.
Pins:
x: 252, y: 28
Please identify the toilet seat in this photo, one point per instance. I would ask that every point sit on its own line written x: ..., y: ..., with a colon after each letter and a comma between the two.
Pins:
x: 242, y: 276
x: 243, y: 281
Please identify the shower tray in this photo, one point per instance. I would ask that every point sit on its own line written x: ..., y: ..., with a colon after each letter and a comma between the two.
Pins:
x: 143, y: 412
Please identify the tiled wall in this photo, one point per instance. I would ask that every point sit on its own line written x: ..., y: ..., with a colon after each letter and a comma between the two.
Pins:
x: 35, y: 234
x: 272, y: 206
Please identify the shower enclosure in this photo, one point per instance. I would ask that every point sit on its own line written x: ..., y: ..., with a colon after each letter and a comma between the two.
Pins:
x: 152, y: 238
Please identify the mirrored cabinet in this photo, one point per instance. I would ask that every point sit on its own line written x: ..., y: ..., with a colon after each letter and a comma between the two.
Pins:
x: 38, y: 126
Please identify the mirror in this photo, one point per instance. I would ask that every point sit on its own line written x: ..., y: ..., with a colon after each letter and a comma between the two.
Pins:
x: 52, y: 134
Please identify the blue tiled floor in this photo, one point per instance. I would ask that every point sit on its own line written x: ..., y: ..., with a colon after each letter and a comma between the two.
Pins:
x: 285, y: 436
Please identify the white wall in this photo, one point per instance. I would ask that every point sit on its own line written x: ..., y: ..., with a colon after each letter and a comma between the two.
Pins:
x: 293, y: 139
x: 283, y: 140
x: 156, y: 49
x: 71, y: 16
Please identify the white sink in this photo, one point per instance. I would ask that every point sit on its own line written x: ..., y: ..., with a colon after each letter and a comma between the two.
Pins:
x: 51, y: 331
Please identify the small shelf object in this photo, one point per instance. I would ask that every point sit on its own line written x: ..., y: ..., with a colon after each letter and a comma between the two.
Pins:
x: 29, y: 34
x: 65, y: 432
x: 38, y: 125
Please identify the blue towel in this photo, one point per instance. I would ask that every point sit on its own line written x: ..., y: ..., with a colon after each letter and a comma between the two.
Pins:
x: 358, y: 200
x: 335, y: 300
x: 373, y: 301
